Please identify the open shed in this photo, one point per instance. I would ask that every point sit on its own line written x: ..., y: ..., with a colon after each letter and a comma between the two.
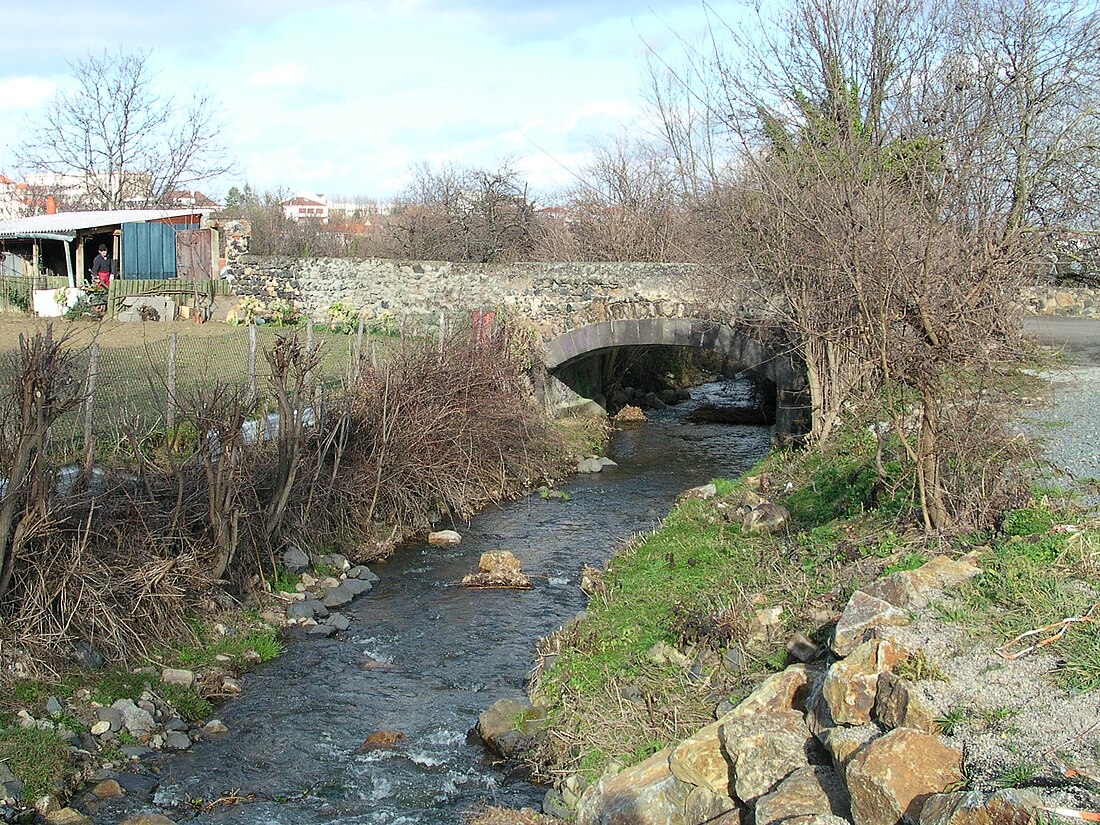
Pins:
x: 145, y: 244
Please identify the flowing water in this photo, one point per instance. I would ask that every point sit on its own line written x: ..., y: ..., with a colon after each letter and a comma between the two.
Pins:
x: 446, y: 653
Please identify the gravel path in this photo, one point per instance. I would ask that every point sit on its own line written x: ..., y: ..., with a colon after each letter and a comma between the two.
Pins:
x: 1072, y: 438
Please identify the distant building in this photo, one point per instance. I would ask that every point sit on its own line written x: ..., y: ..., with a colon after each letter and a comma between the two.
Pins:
x: 307, y: 208
x: 183, y: 199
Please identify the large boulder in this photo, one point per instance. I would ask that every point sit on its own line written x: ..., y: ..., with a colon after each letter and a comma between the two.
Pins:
x: 700, y: 760
x: 508, y: 727
x: 897, y: 705
x: 444, y: 538
x: 497, y: 569
x: 1006, y: 807
x: 851, y: 684
x: 806, y: 792
x: 912, y: 588
x: 649, y: 794
x: 890, y: 779
x: 863, y: 615
x: 764, y: 749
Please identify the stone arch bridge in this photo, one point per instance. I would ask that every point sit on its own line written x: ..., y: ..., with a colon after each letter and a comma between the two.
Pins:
x: 580, y: 310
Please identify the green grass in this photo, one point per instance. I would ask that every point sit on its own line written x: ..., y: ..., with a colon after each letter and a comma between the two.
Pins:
x: 1031, y: 580
x: 37, y: 757
x: 1020, y: 775
x: 951, y: 721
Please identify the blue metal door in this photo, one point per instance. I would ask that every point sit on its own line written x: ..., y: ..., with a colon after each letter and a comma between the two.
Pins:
x: 148, y: 251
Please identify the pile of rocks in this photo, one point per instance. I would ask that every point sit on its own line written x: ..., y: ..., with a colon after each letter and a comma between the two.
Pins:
x: 102, y: 738
x: 847, y: 740
x: 314, y: 602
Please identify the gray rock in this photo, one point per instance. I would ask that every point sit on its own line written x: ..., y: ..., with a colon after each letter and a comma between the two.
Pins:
x: 14, y: 789
x: 177, y: 741
x: 54, y: 706
x: 138, y: 785
x: 175, y: 724
x: 339, y: 621
x: 6, y: 775
x: 295, y: 560
x: 176, y: 676
x: 607, y: 462
x: 325, y: 630
x: 362, y: 572
x: 215, y: 726
x: 307, y: 609
x: 357, y: 587
x: 589, y: 465
x: 335, y: 561
x: 110, y: 715
x: 137, y: 721
x: 337, y: 597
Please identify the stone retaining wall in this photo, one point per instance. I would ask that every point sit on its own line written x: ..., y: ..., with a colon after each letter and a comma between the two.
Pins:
x: 1067, y: 302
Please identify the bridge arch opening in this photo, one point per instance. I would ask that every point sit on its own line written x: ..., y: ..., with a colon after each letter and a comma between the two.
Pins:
x: 747, y: 348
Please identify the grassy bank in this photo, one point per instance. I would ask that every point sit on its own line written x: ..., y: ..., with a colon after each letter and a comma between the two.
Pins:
x: 687, y: 619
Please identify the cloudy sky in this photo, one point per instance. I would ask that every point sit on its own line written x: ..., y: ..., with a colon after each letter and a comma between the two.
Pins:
x: 344, y: 97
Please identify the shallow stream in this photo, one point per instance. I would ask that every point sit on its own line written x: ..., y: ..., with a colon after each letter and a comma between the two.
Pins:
x: 424, y: 657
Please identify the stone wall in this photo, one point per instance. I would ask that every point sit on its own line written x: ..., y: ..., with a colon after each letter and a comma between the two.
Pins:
x: 555, y: 296
x: 1067, y: 302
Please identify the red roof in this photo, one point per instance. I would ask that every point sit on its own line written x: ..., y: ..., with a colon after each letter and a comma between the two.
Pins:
x: 299, y: 201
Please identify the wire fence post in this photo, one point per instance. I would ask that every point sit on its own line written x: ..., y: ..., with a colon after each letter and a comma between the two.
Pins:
x: 252, y: 362
x: 89, y: 405
x: 170, y: 412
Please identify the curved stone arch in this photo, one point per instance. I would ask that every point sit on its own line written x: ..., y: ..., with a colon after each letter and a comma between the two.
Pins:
x: 742, y: 345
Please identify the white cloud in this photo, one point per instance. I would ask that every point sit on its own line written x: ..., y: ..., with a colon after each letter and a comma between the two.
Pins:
x: 24, y: 92
x: 282, y: 74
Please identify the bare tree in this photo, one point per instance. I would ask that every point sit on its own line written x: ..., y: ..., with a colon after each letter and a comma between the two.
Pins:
x: 114, y: 140
x: 895, y: 159
x: 464, y: 214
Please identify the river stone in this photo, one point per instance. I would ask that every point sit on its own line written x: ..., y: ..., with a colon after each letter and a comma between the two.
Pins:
x: 444, y: 538
x: 111, y: 716
x: 325, y: 630
x: 851, y: 684
x: 177, y: 741
x: 362, y: 572
x: 175, y: 676
x: 147, y: 819
x: 589, y: 465
x: 108, y: 789
x: 338, y: 621
x: 336, y: 597
x: 890, y: 778
x: 174, y: 724
x: 704, y: 491
x: 497, y: 569
x: 764, y: 750
x: 1005, y: 807
x: 54, y: 706
x: 215, y: 726
x: 67, y: 816
x: 137, y: 721
x: 649, y: 794
x: 808, y: 791
x: 101, y: 727
x: 861, y: 617
x: 308, y: 609
x: 138, y: 785
x: 607, y: 462
x: 508, y: 727
x: 897, y: 705
x: 357, y: 587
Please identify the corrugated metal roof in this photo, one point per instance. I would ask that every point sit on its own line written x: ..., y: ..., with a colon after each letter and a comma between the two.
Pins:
x: 72, y: 222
